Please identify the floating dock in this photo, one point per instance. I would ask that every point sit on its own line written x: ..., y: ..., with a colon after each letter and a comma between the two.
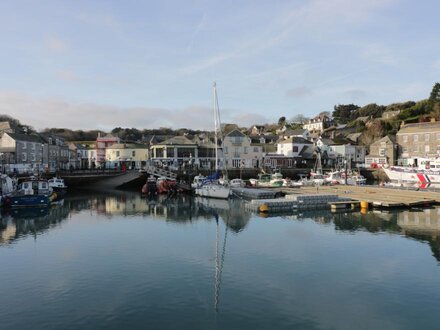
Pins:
x: 255, y: 193
x: 292, y: 203
x: 374, y: 196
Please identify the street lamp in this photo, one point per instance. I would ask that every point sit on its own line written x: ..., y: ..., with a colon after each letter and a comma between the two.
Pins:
x: 345, y: 167
x: 42, y: 158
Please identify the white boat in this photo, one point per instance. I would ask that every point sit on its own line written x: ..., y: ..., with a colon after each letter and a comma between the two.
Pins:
x: 237, y: 183
x: 57, y: 185
x: 7, y: 187
x: 428, y: 171
x: 198, y: 181
x: 213, y: 188
x: 268, y: 180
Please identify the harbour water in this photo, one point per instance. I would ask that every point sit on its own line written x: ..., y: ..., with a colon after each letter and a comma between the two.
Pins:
x: 115, y: 260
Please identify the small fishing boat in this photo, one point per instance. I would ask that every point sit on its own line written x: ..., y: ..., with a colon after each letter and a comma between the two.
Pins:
x: 237, y: 183
x: 150, y: 187
x: 58, y: 186
x: 33, y: 193
x: 268, y: 180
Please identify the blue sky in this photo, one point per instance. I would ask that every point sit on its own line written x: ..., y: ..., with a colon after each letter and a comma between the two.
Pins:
x: 149, y: 64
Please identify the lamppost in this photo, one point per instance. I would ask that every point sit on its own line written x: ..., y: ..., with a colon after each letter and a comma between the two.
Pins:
x: 42, y: 158
x: 345, y: 167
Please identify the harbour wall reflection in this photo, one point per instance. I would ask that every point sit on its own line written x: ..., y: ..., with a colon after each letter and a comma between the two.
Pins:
x: 420, y: 224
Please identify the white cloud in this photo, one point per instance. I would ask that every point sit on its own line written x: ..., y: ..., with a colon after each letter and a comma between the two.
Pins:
x: 56, y: 112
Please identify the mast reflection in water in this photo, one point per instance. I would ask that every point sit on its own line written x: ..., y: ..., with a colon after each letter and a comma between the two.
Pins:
x: 117, y: 260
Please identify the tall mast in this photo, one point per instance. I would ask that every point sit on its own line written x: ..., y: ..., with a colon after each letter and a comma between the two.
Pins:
x: 216, y: 123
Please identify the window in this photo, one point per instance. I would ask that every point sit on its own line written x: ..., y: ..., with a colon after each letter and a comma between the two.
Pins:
x: 416, y: 138
x: 427, y: 137
x: 117, y: 153
x: 226, y: 150
x: 33, y: 146
x: 255, y: 149
x: 294, y: 148
x: 245, y: 150
x: 426, y: 148
x: 382, y: 152
x: 23, y: 145
x: 23, y: 157
x: 405, y: 138
x: 133, y: 153
x: 416, y: 148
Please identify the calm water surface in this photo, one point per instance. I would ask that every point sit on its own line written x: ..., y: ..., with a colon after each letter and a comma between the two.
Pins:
x: 117, y: 261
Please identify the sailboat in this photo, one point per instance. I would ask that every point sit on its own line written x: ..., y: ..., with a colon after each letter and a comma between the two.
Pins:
x: 211, y: 187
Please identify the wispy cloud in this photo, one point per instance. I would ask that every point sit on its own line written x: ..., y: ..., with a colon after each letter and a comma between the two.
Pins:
x: 56, y: 112
x: 318, y: 17
x: 108, y: 20
x: 66, y: 75
x: 196, y: 31
x: 300, y: 91
x: 55, y: 44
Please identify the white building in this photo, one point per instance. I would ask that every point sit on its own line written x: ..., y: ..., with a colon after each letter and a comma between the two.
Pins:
x: 239, y: 152
x: 355, y: 155
x: 318, y: 124
x: 292, y: 147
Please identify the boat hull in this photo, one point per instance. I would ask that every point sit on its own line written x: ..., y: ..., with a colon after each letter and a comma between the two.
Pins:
x: 419, y: 176
x: 213, y: 191
x: 30, y: 201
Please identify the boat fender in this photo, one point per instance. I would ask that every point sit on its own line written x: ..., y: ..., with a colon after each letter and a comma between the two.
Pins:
x: 263, y: 208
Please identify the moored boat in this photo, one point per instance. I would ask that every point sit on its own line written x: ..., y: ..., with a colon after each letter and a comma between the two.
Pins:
x: 33, y: 193
x: 58, y: 186
x: 268, y: 180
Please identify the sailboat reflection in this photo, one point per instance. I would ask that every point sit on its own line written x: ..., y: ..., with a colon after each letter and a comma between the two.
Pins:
x: 214, y: 206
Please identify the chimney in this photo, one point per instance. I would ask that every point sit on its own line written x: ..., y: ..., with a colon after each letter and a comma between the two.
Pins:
x: 402, y: 124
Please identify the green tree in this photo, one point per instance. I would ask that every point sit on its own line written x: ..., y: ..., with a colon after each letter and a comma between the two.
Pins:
x: 343, y: 113
x: 281, y: 121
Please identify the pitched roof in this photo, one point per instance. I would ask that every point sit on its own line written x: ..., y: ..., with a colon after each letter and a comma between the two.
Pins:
x: 236, y: 133
x: 5, y: 126
x: 128, y: 146
x: 420, y: 128
x: 296, y: 140
x: 177, y: 140
x: 25, y: 137
x: 386, y: 139
x: 298, y: 131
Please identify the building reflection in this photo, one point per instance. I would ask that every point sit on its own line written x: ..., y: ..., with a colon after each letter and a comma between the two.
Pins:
x: 422, y: 225
x: 19, y: 223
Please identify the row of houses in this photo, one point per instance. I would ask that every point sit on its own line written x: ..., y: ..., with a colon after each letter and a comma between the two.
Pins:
x: 50, y: 153
x: 291, y: 148
x: 412, y: 142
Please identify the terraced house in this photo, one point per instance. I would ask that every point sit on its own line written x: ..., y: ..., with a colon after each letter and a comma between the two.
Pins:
x: 419, y: 140
x: 22, y: 153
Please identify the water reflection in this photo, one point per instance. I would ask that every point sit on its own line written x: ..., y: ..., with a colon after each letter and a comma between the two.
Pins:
x: 421, y: 224
x: 18, y: 223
